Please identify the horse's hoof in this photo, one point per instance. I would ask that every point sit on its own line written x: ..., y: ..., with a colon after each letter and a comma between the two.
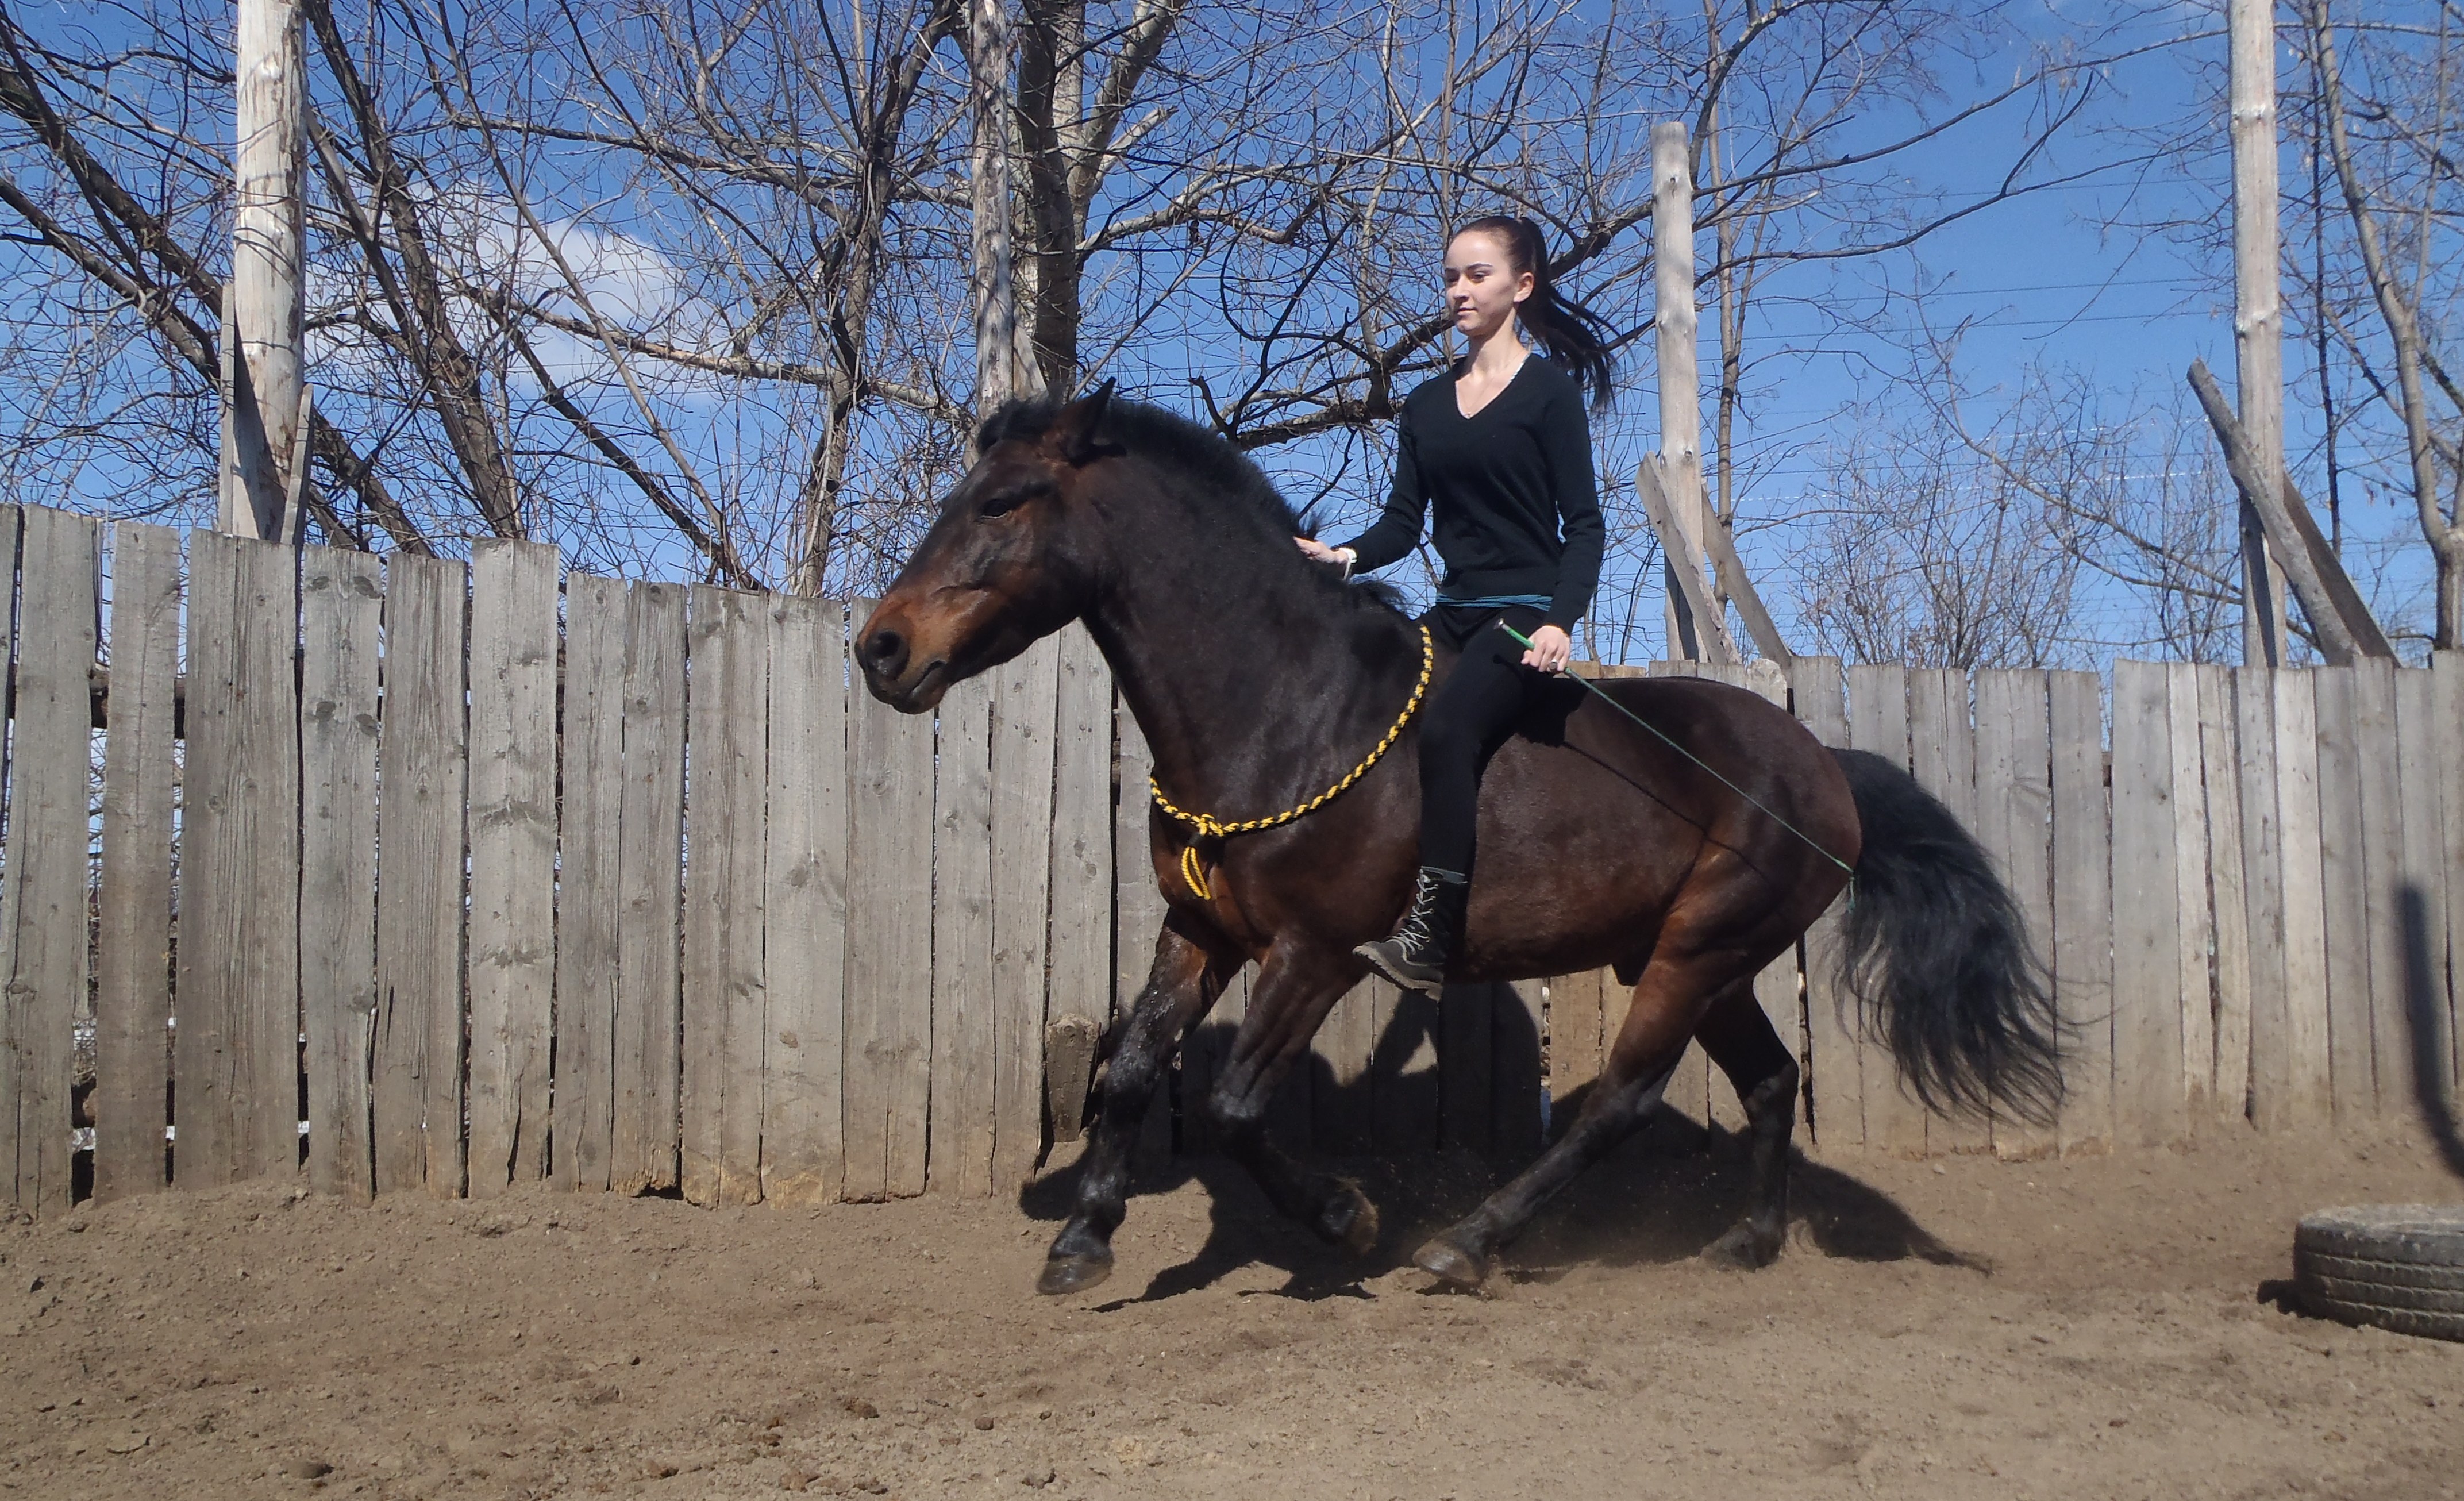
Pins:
x: 1450, y: 1262
x: 1744, y: 1249
x: 1348, y: 1223
x: 1072, y: 1274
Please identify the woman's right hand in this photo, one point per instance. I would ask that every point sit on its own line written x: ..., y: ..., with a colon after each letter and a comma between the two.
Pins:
x: 1319, y: 552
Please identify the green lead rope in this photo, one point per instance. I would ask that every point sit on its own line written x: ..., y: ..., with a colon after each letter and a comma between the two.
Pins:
x: 1603, y: 695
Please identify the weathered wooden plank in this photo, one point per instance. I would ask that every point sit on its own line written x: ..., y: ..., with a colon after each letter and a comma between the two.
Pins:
x: 1138, y: 908
x: 342, y: 604
x: 2447, y: 697
x: 513, y: 860
x: 1515, y: 1078
x: 2383, y: 879
x: 2149, y: 1106
x: 2194, y: 928
x: 1465, y: 1076
x: 1942, y: 754
x: 804, y: 901
x: 1342, y: 1117
x: 589, y: 901
x: 43, y: 932
x: 649, y: 866
x: 890, y: 945
x: 416, y: 1095
x: 726, y: 1010
x: 2424, y: 1079
x: 2307, y: 1097
x: 1403, y: 1068
x: 2014, y: 820
x: 2343, y: 871
x: 1877, y: 721
x: 964, y: 1123
x: 237, y: 1039
x: 2083, y: 878
x: 1026, y: 711
x: 2266, y: 1062
x: 1832, y: 1082
x: 1081, y: 928
x: 1576, y: 1043
x: 2220, y: 762
x: 132, y: 1002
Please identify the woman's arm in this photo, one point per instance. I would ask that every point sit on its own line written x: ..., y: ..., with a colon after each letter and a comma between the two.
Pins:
x: 1396, y: 530
x: 1566, y: 440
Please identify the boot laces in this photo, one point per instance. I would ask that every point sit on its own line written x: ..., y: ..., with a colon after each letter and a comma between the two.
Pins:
x: 1416, y: 932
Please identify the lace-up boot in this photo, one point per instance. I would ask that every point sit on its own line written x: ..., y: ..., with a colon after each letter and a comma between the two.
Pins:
x: 1415, y: 957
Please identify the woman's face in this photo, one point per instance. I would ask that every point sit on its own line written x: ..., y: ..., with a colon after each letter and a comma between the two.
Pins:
x: 1481, y: 284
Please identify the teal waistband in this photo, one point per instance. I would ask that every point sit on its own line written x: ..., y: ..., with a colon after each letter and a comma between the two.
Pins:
x: 1497, y: 602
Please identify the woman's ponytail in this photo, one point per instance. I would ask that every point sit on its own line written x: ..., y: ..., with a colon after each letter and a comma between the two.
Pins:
x: 1571, y: 334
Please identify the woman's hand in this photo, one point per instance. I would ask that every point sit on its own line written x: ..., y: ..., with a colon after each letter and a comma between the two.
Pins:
x: 1319, y: 552
x: 1551, y: 650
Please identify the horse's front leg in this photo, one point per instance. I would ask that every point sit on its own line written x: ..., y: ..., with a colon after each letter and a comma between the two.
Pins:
x: 1180, y: 987
x: 1296, y: 987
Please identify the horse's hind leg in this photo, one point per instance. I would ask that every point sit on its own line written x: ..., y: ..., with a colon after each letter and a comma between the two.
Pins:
x: 1668, y: 1003
x: 1291, y: 996
x: 1184, y: 982
x: 1742, y: 1041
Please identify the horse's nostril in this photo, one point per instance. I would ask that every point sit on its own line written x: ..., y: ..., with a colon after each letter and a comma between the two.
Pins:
x: 885, y: 651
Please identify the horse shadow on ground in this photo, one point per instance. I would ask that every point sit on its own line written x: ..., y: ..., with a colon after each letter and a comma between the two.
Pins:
x: 1659, y: 1199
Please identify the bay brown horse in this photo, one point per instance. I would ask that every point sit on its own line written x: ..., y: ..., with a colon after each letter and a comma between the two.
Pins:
x: 1260, y: 678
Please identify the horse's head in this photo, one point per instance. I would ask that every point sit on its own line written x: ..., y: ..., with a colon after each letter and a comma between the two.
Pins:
x: 1005, y: 564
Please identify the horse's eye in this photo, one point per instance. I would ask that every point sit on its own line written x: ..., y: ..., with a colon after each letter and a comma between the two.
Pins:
x: 1002, y: 503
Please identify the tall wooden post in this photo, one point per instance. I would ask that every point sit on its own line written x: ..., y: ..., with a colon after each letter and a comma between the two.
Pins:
x: 995, y: 293
x: 1681, y: 389
x: 2259, y: 318
x: 265, y: 396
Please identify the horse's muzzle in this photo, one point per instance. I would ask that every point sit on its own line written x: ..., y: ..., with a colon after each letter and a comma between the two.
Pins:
x: 893, y: 676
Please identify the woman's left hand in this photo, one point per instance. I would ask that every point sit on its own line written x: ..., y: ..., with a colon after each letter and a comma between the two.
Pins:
x: 1551, y: 650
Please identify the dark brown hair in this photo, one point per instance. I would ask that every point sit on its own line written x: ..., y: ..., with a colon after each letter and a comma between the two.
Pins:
x: 1571, y: 334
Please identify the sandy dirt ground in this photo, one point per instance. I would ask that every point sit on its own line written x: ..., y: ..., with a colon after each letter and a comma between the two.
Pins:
x: 2089, y: 1327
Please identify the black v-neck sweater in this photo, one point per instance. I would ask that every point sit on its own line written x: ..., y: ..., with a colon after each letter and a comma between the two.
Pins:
x: 1518, y: 510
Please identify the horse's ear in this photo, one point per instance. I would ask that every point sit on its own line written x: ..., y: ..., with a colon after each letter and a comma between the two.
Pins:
x: 1074, y: 427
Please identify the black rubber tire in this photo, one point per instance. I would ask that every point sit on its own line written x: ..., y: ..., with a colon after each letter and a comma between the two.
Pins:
x: 2397, y: 1267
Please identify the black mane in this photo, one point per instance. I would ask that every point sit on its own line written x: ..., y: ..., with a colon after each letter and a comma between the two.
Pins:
x: 1248, y: 507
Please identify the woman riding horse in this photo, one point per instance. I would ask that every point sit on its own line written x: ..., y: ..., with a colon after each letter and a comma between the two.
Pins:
x: 1606, y: 839
x: 1499, y: 448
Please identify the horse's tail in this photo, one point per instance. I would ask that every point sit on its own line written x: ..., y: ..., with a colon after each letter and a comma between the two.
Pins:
x: 1936, y: 953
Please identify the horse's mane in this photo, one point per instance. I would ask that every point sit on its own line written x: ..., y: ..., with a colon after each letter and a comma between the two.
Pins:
x: 1243, y: 517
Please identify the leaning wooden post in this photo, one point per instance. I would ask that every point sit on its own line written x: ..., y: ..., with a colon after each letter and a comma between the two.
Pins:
x: 1680, y: 460
x: 264, y: 395
x: 2259, y: 316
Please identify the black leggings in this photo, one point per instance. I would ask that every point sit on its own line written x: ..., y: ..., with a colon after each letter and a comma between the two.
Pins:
x: 1468, y: 718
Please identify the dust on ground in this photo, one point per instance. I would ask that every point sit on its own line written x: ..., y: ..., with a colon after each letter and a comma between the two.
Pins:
x: 2087, y: 1328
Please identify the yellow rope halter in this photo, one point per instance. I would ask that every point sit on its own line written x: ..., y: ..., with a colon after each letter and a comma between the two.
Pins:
x: 1208, y: 828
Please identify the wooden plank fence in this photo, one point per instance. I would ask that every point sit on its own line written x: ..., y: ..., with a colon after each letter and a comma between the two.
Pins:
x: 423, y: 874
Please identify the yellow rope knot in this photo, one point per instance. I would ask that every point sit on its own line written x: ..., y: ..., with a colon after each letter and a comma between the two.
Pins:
x: 1207, y: 826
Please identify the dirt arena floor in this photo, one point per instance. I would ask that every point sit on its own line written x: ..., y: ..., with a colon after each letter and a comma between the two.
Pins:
x: 2089, y: 1327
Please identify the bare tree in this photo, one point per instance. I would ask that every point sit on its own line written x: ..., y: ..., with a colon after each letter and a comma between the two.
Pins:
x: 2397, y: 190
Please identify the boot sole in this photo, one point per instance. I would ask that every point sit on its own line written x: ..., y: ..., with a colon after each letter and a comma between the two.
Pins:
x: 1375, y: 954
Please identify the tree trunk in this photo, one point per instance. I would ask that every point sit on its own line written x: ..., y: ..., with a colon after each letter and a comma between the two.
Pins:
x: 1048, y: 44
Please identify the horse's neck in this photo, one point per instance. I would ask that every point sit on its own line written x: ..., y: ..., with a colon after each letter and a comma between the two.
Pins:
x: 1242, y: 691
